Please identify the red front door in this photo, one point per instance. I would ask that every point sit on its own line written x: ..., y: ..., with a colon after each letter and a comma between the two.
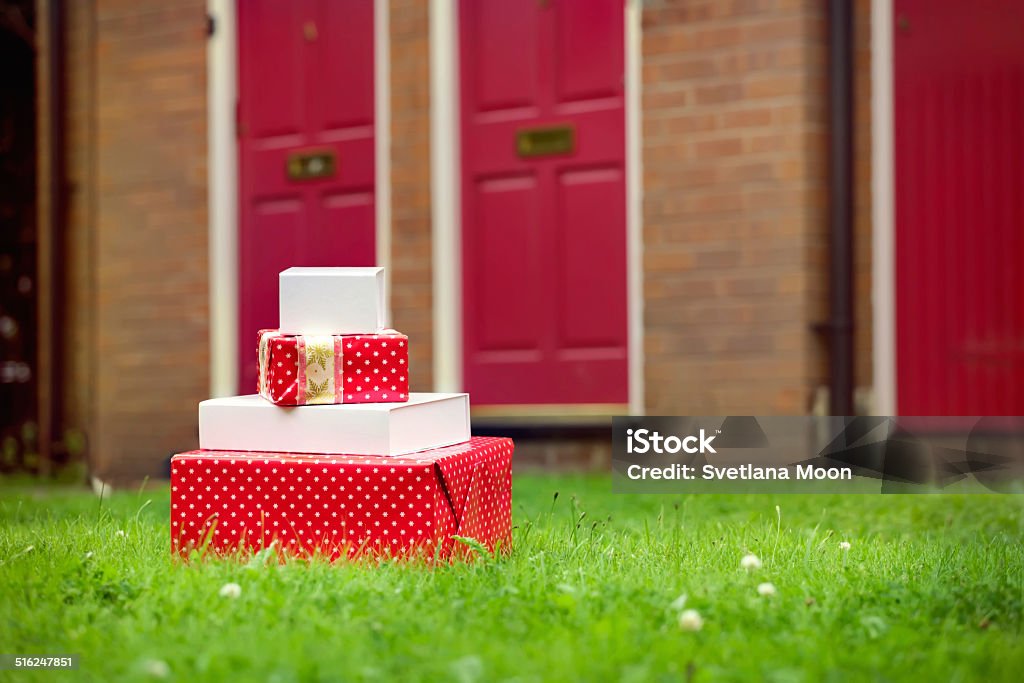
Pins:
x: 306, y: 149
x: 544, y: 201
x: 959, y: 143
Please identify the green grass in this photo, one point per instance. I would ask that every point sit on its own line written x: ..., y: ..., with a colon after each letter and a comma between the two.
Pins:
x: 932, y: 588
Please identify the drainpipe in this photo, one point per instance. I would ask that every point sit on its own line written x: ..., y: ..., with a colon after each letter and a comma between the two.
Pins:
x: 839, y: 326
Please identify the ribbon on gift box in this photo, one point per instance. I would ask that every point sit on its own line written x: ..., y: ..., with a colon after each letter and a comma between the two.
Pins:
x: 325, y: 369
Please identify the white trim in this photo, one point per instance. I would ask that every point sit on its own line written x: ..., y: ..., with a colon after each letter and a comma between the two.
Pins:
x: 883, y: 210
x: 634, y: 207
x: 445, y: 205
x: 222, y: 216
x: 382, y: 139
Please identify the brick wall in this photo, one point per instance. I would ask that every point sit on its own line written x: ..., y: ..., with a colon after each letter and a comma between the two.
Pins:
x: 863, y: 367
x: 411, y: 298
x: 733, y: 100
x: 79, y: 311
x: 149, y: 227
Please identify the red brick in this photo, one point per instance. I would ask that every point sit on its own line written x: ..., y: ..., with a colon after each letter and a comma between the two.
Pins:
x: 742, y: 195
x: 136, y: 329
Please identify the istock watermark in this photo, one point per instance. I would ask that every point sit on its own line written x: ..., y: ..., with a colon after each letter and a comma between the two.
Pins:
x: 646, y: 441
x: 802, y: 454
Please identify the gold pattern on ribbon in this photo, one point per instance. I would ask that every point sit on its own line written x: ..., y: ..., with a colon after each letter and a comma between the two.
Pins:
x: 319, y: 354
x: 319, y: 370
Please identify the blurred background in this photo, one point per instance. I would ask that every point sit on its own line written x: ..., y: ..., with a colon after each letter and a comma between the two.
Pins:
x: 586, y: 208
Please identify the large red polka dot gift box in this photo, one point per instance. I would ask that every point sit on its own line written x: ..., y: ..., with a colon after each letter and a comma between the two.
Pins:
x: 335, y: 456
x: 344, y: 505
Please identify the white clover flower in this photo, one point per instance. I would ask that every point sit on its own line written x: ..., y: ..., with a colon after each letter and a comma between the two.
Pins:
x: 230, y: 590
x: 690, y: 620
x: 157, y: 668
x: 844, y: 545
x: 766, y: 589
x: 679, y: 603
x: 120, y: 532
x: 750, y: 562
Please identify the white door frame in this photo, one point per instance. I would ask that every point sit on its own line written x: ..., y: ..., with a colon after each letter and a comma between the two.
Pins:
x: 445, y: 195
x: 222, y: 150
x: 446, y: 206
x: 883, y: 210
x: 634, y: 206
x: 222, y: 200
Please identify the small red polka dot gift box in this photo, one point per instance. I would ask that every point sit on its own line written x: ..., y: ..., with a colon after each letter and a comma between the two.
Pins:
x: 296, y: 370
x: 344, y: 505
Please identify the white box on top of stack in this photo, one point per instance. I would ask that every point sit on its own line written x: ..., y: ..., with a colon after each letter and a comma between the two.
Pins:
x: 332, y: 301
x: 250, y: 423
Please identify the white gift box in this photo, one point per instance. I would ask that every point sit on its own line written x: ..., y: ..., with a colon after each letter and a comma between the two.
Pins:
x: 332, y: 300
x: 251, y: 423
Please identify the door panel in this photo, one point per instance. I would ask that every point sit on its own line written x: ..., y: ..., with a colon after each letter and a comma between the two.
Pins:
x: 590, y: 60
x: 544, y: 237
x: 329, y: 240
x: 271, y: 59
x: 959, y: 108
x: 510, y: 38
x: 269, y: 219
x: 591, y: 202
x: 504, y: 204
x: 305, y: 79
x: 343, y: 67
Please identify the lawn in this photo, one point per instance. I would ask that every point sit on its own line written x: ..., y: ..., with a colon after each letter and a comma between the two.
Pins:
x: 930, y: 588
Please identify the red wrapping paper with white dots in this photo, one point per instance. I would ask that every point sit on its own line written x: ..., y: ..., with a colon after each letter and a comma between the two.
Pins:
x: 338, y: 506
x: 296, y: 370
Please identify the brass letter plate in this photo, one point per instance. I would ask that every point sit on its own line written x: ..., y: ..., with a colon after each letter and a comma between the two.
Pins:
x: 309, y: 165
x: 537, y: 142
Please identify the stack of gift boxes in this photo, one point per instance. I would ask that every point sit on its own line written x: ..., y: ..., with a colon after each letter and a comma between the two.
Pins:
x: 334, y: 456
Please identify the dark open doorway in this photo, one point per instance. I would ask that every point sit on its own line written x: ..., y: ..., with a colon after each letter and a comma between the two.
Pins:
x: 18, y: 236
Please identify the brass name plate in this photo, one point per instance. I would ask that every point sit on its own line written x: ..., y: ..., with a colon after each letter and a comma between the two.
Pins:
x: 309, y: 165
x: 545, y: 140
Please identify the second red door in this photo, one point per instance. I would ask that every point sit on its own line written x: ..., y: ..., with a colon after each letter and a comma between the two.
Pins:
x: 544, y: 201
